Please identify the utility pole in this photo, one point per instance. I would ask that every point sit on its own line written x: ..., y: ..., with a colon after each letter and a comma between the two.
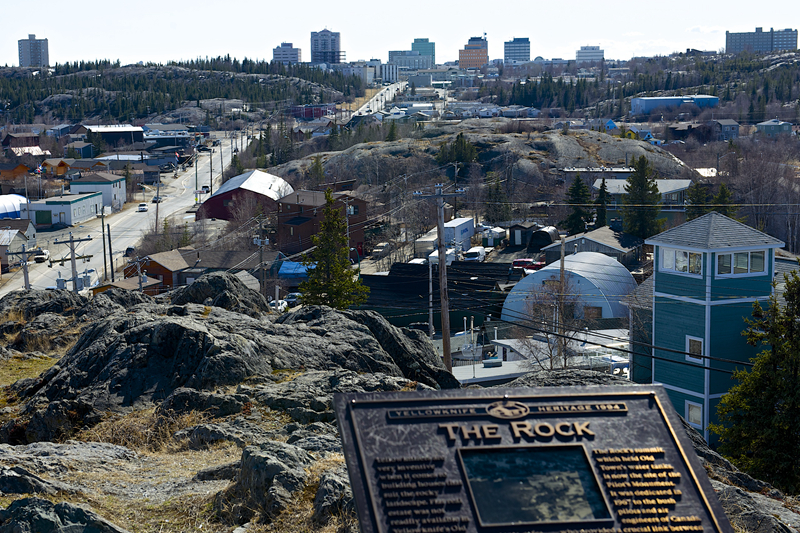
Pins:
x: 110, y: 253
x: 24, y: 261
x: 103, y: 229
x: 211, y: 170
x: 196, y: 185
x: 72, y: 242
x: 222, y: 160
x: 444, y: 297
x: 560, y: 310
x: 431, y: 329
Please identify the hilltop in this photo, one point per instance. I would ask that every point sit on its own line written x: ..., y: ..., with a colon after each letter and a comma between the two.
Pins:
x: 200, y: 409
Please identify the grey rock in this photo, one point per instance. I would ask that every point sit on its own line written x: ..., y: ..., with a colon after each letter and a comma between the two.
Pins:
x: 309, y: 396
x: 226, y: 471
x: 269, y: 475
x: 241, y: 432
x: 35, y: 515
x: 334, y: 495
x: 566, y: 378
x: 60, y: 419
x: 34, y: 303
x: 225, y: 291
x: 17, y: 480
x: 59, y: 458
x: 183, y: 400
x: 319, y: 443
x: 755, y: 513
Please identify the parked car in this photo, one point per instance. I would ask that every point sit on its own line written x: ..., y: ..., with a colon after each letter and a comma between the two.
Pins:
x: 130, y: 251
x: 41, y: 255
x: 476, y: 253
x: 203, y: 148
x: 294, y: 299
x: 142, y: 207
x: 167, y: 167
x: 205, y: 189
x: 381, y: 249
x: 279, y: 307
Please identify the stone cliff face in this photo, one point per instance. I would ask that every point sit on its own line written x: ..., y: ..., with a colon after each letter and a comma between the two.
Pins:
x: 243, y: 397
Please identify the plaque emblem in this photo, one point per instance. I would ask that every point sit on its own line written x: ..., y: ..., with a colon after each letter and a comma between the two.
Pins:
x: 508, y: 410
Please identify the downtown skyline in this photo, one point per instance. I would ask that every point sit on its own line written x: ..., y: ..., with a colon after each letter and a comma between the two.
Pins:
x: 153, y: 33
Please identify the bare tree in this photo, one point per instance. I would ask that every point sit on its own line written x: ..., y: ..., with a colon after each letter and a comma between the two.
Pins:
x: 557, y: 317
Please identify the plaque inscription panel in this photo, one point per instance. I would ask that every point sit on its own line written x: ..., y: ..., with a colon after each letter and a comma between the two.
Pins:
x: 599, y: 460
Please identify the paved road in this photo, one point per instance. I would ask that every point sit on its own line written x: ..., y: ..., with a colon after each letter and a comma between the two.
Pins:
x: 126, y: 226
x: 384, y: 95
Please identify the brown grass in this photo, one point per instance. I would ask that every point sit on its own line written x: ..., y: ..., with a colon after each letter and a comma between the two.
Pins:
x: 17, y: 368
x: 145, y: 430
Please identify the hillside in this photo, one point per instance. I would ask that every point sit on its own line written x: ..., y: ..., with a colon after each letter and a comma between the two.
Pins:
x: 199, y: 410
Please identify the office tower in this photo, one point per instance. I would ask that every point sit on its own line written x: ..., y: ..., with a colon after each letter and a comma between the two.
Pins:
x: 33, y: 52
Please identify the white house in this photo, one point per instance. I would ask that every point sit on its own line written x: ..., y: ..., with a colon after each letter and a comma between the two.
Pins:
x: 110, y: 185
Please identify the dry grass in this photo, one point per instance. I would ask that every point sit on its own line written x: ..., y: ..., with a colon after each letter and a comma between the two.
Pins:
x: 368, y: 94
x: 14, y: 315
x: 17, y: 368
x: 145, y: 430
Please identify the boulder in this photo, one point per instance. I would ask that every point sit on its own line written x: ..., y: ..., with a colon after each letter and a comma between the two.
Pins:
x: 226, y: 471
x: 240, y: 432
x: 35, y: 515
x: 57, y: 459
x: 17, y: 480
x: 755, y: 513
x: 34, y: 303
x: 334, y: 495
x: 309, y: 396
x: 221, y: 289
x: 184, y: 400
x: 269, y: 475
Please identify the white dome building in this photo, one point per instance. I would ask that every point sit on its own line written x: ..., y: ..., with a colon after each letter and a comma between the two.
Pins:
x: 9, y: 205
x: 601, y: 281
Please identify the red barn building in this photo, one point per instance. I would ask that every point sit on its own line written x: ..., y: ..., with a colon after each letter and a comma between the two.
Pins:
x: 245, y: 191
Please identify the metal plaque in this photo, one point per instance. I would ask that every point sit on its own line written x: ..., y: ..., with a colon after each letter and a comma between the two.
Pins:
x: 576, y: 459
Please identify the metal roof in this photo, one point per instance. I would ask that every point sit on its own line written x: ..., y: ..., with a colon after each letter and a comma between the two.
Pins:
x: 714, y: 231
x: 7, y: 235
x: 611, y: 281
x: 617, y: 186
x: 258, y: 182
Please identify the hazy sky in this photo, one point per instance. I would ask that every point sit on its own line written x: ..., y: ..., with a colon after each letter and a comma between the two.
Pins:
x: 159, y: 31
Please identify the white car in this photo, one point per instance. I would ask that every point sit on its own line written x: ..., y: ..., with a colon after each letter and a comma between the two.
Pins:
x: 41, y: 255
x: 279, y: 307
x: 142, y: 207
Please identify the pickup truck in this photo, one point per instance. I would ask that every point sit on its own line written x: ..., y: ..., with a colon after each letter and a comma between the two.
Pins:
x: 41, y: 255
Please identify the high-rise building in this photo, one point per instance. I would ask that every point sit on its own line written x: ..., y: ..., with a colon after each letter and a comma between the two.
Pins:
x: 33, y: 52
x: 409, y: 59
x: 475, y: 54
x: 589, y: 54
x: 761, y: 41
x: 425, y: 48
x: 517, y: 50
x: 326, y: 47
x: 286, y: 53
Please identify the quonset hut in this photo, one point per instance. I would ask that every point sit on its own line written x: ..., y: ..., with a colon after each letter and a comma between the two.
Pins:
x: 9, y: 205
x: 600, y: 280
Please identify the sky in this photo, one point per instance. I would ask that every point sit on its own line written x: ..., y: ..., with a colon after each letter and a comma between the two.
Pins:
x: 165, y: 30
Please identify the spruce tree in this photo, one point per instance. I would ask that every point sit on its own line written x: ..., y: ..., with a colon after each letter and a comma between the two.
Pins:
x: 579, y: 198
x: 641, y: 204
x: 331, y: 281
x: 497, y: 208
x: 759, y: 416
x: 392, y: 135
x: 723, y: 202
x: 698, y: 198
x: 601, y: 214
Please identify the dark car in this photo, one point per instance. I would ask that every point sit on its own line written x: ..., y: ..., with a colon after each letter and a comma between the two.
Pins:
x: 167, y: 167
x: 205, y: 189
x: 157, y: 199
x: 130, y: 251
x: 203, y: 148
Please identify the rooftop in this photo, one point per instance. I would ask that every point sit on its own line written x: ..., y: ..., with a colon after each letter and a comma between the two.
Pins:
x: 258, y: 182
x: 714, y: 231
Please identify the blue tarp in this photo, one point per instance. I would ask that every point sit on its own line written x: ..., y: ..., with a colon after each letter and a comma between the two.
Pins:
x: 9, y: 205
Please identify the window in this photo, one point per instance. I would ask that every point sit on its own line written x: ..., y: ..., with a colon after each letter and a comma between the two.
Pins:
x: 681, y: 261
x: 694, y: 414
x: 739, y: 263
x: 694, y: 346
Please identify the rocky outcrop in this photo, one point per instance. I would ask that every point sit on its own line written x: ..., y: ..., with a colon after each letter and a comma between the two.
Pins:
x: 223, y: 290
x: 30, y: 515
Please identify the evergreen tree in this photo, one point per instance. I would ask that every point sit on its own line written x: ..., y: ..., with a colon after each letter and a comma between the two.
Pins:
x: 601, y: 215
x: 698, y: 197
x: 316, y: 172
x: 392, y: 135
x: 759, y: 416
x: 723, y: 201
x: 641, y: 204
x: 497, y: 208
x: 579, y: 198
x: 331, y: 281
